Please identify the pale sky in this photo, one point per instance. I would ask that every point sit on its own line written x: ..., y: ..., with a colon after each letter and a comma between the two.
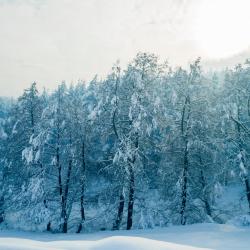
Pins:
x: 49, y: 41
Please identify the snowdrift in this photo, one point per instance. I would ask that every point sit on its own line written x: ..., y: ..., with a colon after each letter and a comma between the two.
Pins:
x: 110, y: 243
x: 192, y: 237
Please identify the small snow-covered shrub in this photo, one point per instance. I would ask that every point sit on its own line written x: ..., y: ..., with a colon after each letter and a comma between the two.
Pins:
x: 241, y: 220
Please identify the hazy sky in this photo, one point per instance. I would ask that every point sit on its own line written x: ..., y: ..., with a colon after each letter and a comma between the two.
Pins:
x: 48, y: 41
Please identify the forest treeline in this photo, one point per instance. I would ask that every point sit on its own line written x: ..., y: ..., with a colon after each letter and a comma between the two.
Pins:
x: 147, y: 146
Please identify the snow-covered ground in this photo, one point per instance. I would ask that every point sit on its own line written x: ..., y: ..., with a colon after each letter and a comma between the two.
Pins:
x: 193, y: 237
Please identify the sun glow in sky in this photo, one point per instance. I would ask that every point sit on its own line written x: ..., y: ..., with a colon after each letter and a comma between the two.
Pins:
x: 222, y: 27
x: 49, y: 41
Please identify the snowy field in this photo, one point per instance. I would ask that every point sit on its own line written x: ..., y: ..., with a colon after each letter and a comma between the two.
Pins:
x: 194, y: 237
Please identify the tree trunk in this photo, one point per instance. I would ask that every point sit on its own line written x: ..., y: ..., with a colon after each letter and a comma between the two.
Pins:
x: 64, y: 208
x: 132, y: 184
x: 1, y: 210
x: 184, y: 188
x: 205, y: 198
x: 184, y: 131
x: 131, y: 198
x: 246, y: 181
x: 64, y: 225
x: 82, y: 211
x: 59, y: 167
x: 118, y: 220
x: 48, y: 228
x: 247, y: 191
x: 80, y: 226
x: 242, y: 159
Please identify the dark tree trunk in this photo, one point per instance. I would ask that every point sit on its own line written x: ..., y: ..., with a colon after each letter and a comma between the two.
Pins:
x: 59, y: 167
x: 65, y: 226
x: 64, y: 208
x: 246, y: 181
x: 48, y: 227
x: 1, y: 210
x: 184, y: 189
x: 247, y: 191
x: 205, y: 198
x: 131, y: 198
x: 132, y: 185
x: 242, y: 159
x: 82, y: 179
x: 184, y: 130
x: 118, y: 220
x: 80, y: 226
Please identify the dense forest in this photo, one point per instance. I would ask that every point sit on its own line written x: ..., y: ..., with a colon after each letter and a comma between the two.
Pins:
x: 148, y: 146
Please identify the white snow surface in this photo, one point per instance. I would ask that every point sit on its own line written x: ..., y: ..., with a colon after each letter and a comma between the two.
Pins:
x: 192, y: 237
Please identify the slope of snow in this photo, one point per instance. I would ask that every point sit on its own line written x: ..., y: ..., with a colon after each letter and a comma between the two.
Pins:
x: 193, y: 237
x: 110, y: 243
